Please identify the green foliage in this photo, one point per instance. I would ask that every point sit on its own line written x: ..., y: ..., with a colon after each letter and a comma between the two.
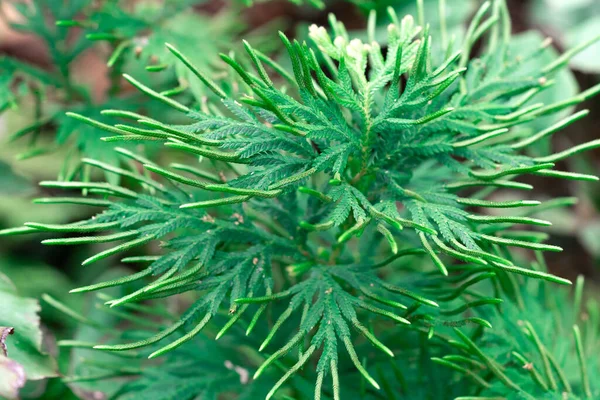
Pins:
x: 12, y: 182
x: 222, y: 371
x: 296, y: 194
x: 136, y: 40
x: 543, y: 345
x: 21, y: 355
x: 33, y: 84
x: 573, y: 21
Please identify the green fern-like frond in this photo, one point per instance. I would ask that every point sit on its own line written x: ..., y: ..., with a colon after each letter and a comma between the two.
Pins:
x: 543, y: 346
x: 278, y: 178
x: 136, y: 39
x: 140, y: 34
x: 224, y: 370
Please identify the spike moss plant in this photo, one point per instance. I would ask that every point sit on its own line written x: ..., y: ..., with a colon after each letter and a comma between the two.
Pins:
x: 342, y: 196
